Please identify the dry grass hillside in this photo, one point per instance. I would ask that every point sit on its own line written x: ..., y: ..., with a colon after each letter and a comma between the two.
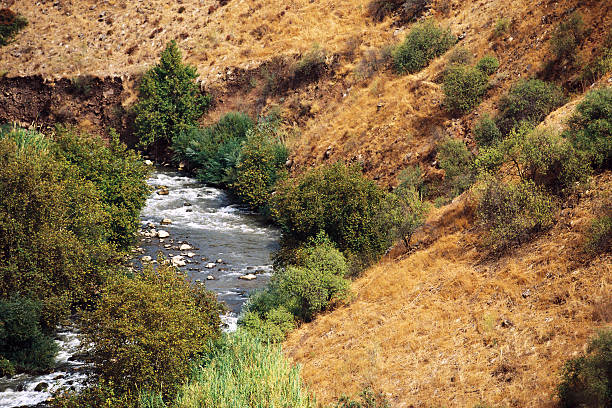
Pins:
x: 453, y: 325
x: 385, y: 121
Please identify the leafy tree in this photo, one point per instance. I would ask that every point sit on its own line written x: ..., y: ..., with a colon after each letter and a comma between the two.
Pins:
x: 147, y: 327
x: 170, y: 101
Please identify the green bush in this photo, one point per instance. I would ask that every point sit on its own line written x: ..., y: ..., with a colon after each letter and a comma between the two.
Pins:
x: 464, y: 88
x: 409, y: 209
x: 488, y: 64
x: 215, y: 150
x: 591, y: 127
x: 53, y: 230
x: 338, y: 200
x: 10, y: 25
x: 243, y: 371
x: 542, y: 156
x: 486, y: 132
x: 456, y: 161
x: 170, y: 101
x: 262, y: 163
x: 586, y: 381
x: 567, y: 38
x: 273, y: 327
x: 148, y: 327
x: 308, y: 286
x: 528, y: 101
x: 513, y: 212
x: 423, y: 43
x: 369, y: 399
x: 601, y: 64
x: 22, y: 341
x: 118, y: 173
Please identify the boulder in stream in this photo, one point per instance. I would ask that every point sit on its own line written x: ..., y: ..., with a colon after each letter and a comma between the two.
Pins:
x: 163, y: 234
x: 248, y: 277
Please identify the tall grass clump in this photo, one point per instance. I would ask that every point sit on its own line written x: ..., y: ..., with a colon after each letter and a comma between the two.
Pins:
x: 10, y: 24
x: 170, y: 101
x: 423, y: 43
x: 243, y: 371
x: 26, y: 140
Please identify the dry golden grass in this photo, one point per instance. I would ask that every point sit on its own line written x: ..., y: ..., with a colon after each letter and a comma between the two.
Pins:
x: 452, y: 326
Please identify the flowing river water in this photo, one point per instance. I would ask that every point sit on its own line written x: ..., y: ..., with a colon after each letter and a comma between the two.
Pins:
x: 226, y: 242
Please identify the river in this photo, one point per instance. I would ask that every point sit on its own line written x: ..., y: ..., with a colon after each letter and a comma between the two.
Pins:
x: 226, y: 242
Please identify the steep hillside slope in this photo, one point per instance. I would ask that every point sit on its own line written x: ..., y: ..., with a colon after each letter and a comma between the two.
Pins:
x: 453, y: 325
x: 385, y: 121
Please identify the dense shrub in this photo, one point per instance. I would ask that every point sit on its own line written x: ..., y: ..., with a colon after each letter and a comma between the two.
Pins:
x: 22, y: 341
x: 314, y: 281
x: 600, y: 234
x: 486, y: 132
x: 243, y: 371
x: 513, y: 212
x: 542, y: 156
x: 464, y: 88
x: 339, y: 200
x: 170, y: 101
x: 215, y: 150
x: 10, y: 25
x: 147, y: 327
x: 456, y: 160
x: 423, y: 43
x: 567, y: 37
x: 488, y: 64
x: 118, y: 173
x: 587, y: 380
x: 262, y: 163
x: 528, y: 101
x: 272, y: 327
x: 591, y: 127
x: 53, y: 230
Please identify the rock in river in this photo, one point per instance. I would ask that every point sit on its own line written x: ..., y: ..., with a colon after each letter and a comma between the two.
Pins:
x: 163, y: 234
x: 185, y: 247
x: 248, y: 277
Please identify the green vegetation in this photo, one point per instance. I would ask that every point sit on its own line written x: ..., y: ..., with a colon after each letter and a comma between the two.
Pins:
x: 464, y: 88
x: 215, y: 150
x: 338, y: 200
x: 600, y: 234
x: 488, y: 64
x: 23, y: 345
x: 423, y: 43
x: 311, y: 63
x: 459, y: 56
x: 315, y: 281
x: 262, y: 164
x: 586, y: 381
x: 368, y: 398
x: 486, y: 132
x: 567, y: 38
x: 456, y: 160
x: 511, y: 212
x: 10, y: 25
x: 528, y: 101
x: 147, y: 327
x: 118, y: 174
x: 170, y: 101
x: 601, y: 64
x: 591, y: 127
x: 243, y: 371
